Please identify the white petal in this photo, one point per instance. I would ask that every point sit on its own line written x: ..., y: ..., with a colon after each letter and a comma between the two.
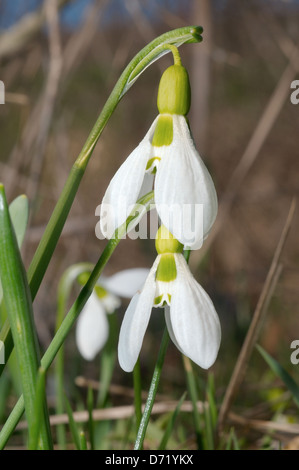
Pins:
x: 92, y: 328
x: 170, y: 329
x: 110, y: 302
x: 125, y: 283
x: 147, y: 185
x: 124, y: 188
x: 194, y: 320
x: 135, y: 322
x: 182, y: 185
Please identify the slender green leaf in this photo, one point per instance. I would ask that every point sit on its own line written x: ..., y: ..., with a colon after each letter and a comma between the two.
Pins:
x: 281, y: 372
x: 18, y: 210
x: 108, y: 360
x: 137, y: 394
x: 73, y: 425
x: 6, y: 341
x: 90, y: 405
x: 38, y: 410
x: 193, y: 392
x: 18, y: 306
x: 83, y: 442
x: 232, y: 442
x: 152, y: 392
x: 211, y: 399
x: 171, y: 423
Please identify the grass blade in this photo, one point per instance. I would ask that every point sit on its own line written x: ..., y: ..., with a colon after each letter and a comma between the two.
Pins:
x: 171, y: 424
x: 38, y: 409
x: 18, y: 211
x: 152, y: 392
x: 73, y: 426
x: 281, y: 373
x: 18, y: 304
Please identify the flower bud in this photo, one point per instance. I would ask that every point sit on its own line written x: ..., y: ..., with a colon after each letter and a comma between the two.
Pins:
x: 174, y: 94
x: 166, y: 243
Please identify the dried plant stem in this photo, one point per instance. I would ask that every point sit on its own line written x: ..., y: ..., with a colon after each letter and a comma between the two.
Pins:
x: 257, y: 140
x: 264, y: 426
x: 258, y: 316
x: 119, y: 412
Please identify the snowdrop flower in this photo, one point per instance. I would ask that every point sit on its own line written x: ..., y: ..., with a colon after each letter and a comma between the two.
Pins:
x: 191, y: 319
x: 92, y: 329
x: 167, y: 158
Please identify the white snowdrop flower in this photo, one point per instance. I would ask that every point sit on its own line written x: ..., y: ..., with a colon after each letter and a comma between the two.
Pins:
x: 191, y: 318
x: 92, y: 329
x: 182, y: 184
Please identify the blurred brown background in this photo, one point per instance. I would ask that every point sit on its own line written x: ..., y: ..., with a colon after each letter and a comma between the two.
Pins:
x: 57, y: 77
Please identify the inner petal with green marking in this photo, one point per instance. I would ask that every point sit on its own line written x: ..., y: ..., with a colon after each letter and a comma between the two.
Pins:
x: 163, y: 134
x: 165, y: 279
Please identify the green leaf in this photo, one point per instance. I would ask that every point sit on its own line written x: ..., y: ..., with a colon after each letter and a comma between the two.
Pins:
x: 83, y: 442
x: 281, y: 373
x: 73, y: 425
x: 18, y: 304
x: 18, y: 210
x: 90, y: 418
x: 171, y: 424
x: 38, y: 409
x: 232, y: 442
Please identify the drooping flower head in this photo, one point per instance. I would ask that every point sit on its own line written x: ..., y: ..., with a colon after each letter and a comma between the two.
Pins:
x: 93, y: 327
x: 191, y: 318
x: 185, y: 195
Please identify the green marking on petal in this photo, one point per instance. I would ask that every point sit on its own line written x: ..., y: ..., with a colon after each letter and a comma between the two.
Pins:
x: 151, y: 162
x: 164, y: 131
x: 159, y: 299
x: 101, y: 292
x: 83, y: 278
x: 166, y: 271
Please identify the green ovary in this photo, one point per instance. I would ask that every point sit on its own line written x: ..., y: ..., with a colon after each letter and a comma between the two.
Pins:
x: 174, y: 94
x: 166, y: 243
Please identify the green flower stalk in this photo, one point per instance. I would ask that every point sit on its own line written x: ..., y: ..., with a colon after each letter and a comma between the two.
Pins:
x: 166, y: 159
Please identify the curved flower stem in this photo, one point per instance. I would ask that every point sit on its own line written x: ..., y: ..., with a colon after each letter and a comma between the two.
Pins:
x: 192, y: 388
x: 138, y: 64
x: 149, y: 54
x: 66, y: 325
x: 152, y: 392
